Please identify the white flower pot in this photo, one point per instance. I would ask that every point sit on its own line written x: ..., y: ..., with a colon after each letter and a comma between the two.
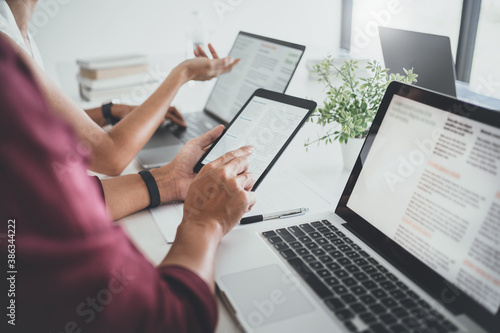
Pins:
x: 350, y: 152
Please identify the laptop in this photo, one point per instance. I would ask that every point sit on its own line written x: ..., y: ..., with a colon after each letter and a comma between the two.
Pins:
x: 265, y: 63
x: 413, y: 245
x: 429, y: 55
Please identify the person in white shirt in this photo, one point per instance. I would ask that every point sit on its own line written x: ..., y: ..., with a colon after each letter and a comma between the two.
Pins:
x: 112, y: 150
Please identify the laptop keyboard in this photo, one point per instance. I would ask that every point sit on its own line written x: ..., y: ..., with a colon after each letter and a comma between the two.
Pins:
x: 363, y: 294
x: 195, y: 127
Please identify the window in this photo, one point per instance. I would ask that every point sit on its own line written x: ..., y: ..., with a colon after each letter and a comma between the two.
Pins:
x: 485, y: 74
x: 428, y: 16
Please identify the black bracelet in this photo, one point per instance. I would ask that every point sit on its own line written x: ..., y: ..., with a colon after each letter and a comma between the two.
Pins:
x: 154, y: 192
x: 106, y: 112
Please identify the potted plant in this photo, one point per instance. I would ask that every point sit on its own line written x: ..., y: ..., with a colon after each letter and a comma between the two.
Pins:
x: 351, y: 107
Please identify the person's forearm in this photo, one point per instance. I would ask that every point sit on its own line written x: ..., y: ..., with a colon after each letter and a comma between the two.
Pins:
x: 96, y: 115
x: 194, y: 248
x: 125, y: 195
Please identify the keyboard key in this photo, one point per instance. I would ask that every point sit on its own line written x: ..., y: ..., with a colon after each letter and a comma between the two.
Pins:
x: 347, y: 240
x: 322, y: 241
x: 325, y: 222
x: 377, y: 309
x: 401, y: 285
x: 408, y: 303
x: 397, y: 294
x: 399, y: 312
x: 352, y: 255
x: 332, y: 227
x: 340, y: 234
x: 332, y: 266
x: 311, y: 245
x: 323, y: 230
x: 286, y: 235
x: 364, y: 254
x: 334, y: 304
x: 349, y: 282
x: 275, y: 240
x: 341, y: 274
x: 302, y: 252
x: 336, y: 254
x: 357, y: 308
x: 280, y: 246
x: 295, y: 245
x: 382, y: 269
x: 388, y: 319
x: 306, y: 227
x: 309, y: 258
x: 312, y: 280
x: 386, y: 285
x: 348, y: 298
x: 422, y: 303
x: 269, y: 234
x: 325, y: 259
x: 331, y: 281
x: 329, y: 235
x: 378, y: 328
x: 411, y: 294
x: 389, y: 302
x: 315, y: 235
x: 295, y: 230
x: 339, y: 290
x: 317, y: 224
x: 360, y: 276
x: 304, y: 239
x: 328, y: 247
x: 344, y: 248
x: 358, y: 290
x: 367, y: 299
x: 323, y: 273
x: 369, y: 269
x: 344, y: 261
x: 287, y: 254
x: 355, y: 247
x: 360, y: 262
x: 372, y: 261
x: 399, y: 329
x: 337, y: 241
x: 369, y: 284
x: 352, y: 268
x: 367, y: 318
x: 318, y: 252
x: 392, y: 277
x: 378, y: 277
x: 344, y: 315
x: 350, y: 326
x: 316, y: 265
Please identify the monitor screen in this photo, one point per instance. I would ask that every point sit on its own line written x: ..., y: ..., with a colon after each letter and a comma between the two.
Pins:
x: 431, y: 183
x: 264, y: 64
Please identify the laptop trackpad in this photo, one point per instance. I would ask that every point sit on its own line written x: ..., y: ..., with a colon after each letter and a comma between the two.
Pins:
x: 265, y: 295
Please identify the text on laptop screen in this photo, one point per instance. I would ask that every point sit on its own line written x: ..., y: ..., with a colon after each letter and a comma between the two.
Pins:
x: 263, y: 65
x: 431, y: 182
x: 266, y: 125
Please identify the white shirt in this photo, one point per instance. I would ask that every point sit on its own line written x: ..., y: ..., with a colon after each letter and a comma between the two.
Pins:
x: 9, y: 27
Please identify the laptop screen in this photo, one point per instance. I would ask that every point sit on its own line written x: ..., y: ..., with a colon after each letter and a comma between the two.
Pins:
x: 265, y: 63
x: 431, y: 183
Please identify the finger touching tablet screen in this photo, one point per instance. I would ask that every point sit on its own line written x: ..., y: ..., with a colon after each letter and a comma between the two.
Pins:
x: 268, y: 121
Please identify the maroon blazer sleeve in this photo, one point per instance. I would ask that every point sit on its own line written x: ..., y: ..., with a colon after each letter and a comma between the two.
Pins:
x: 77, y: 272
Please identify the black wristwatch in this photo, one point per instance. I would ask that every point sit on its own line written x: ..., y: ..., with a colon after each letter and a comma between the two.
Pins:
x: 106, y: 112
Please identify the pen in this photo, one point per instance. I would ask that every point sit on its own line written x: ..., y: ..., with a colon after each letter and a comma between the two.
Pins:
x: 278, y: 215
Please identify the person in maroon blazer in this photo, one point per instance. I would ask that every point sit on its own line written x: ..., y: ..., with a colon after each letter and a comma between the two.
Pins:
x: 76, y: 270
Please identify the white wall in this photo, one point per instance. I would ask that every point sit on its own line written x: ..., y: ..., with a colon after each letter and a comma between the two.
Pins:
x: 69, y: 29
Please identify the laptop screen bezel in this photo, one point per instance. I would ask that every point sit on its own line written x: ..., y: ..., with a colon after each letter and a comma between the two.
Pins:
x: 301, y: 48
x: 437, y: 286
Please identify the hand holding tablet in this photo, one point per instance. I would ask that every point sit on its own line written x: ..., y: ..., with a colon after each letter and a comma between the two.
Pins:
x: 268, y: 121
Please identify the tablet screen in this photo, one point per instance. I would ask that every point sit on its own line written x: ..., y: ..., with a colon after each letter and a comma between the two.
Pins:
x: 265, y: 124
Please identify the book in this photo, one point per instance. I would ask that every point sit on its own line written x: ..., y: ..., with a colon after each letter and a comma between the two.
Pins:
x: 109, y: 73
x: 102, y: 95
x: 117, y: 82
x: 113, y: 62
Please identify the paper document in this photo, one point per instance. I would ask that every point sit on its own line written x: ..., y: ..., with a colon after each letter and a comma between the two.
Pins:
x: 282, y: 190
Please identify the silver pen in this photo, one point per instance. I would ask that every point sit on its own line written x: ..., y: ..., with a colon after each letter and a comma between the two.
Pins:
x: 274, y: 216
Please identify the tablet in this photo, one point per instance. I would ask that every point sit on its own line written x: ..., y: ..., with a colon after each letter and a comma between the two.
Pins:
x: 268, y: 121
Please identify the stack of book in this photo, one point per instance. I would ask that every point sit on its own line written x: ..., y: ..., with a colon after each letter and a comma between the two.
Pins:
x: 110, y: 77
